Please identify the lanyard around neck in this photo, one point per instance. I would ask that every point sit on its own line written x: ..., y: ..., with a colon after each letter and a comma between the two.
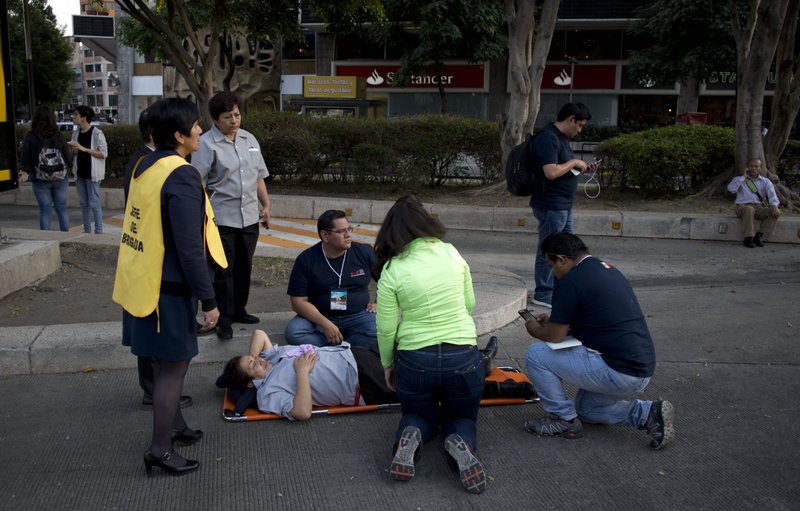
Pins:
x: 341, y: 270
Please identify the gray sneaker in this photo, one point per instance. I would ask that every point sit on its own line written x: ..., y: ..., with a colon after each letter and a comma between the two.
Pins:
x: 552, y: 425
x: 659, y: 424
x: 402, y: 468
x: 470, y: 470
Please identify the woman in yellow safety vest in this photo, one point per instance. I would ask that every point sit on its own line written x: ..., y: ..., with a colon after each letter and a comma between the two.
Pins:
x: 169, y: 242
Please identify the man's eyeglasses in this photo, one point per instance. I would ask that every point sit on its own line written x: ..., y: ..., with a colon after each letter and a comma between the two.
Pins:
x: 342, y: 231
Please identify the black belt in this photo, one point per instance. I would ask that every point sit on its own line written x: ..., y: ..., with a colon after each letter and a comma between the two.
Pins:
x: 446, y: 346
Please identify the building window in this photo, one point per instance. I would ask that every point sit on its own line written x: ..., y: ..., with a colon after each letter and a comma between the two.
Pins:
x: 300, y: 50
x: 586, y: 45
x: 94, y: 99
x: 112, y: 100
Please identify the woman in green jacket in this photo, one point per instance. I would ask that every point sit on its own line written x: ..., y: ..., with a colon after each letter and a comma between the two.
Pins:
x: 429, y: 356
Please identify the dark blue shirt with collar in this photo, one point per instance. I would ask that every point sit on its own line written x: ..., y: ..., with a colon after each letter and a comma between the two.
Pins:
x: 550, y: 146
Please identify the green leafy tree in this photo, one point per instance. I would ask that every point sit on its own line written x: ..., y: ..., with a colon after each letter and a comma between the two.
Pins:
x: 692, y: 38
x: 446, y: 29
x: 52, y: 73
x: 176, y: 30
x: 765, y: 30
x: 687, y: 41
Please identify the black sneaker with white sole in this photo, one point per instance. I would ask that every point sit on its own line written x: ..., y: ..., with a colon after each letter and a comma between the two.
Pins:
x: 659, y: 424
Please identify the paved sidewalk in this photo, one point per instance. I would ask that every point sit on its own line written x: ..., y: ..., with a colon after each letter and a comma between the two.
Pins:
x: 64, y: 348
x: 727, y: 359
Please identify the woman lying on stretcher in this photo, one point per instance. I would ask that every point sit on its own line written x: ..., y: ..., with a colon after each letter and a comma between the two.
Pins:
x: 290, y: 380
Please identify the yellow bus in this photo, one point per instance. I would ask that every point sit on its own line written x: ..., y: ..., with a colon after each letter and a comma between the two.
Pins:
x: 9, y: 179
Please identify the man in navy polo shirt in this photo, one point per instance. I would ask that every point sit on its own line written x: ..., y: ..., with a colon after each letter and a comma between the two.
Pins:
x: 593, y: 302
x: 329, y: 288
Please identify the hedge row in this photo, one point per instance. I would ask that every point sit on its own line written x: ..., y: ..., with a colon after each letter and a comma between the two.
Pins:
x: 431, y: 150
x: 664, y: 160
x: 427, y: 150
x: 122, y: 141
x: 414, y: 151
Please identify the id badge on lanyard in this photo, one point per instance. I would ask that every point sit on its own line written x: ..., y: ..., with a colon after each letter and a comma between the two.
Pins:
x: 338, y: 294
x: 338, y: 299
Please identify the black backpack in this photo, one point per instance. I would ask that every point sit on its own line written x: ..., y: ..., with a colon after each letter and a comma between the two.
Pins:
x: 51, y: 165
x: 519, y: 168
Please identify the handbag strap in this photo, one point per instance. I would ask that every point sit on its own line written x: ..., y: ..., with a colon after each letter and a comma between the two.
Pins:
x: 752, y: 186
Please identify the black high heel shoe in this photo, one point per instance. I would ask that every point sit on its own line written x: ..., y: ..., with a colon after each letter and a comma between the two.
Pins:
x: 150, y: 460
x: 187, y: 436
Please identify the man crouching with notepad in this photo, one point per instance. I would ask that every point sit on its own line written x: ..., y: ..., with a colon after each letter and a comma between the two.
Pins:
x: 593, y: 302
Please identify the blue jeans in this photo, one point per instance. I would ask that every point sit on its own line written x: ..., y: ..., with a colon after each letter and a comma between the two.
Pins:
x: 605, y: 395
x: 49, y: 194
x: 551, y: 221
x: 358, y: 329
x: 89, y: 197
x: 440, y: 389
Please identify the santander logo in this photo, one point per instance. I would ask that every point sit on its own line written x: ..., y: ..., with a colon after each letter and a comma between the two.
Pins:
x: 375, y: 78
x: 563, y: 79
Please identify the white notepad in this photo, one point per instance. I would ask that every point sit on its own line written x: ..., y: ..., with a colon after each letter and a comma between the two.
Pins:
x: 568, y: 342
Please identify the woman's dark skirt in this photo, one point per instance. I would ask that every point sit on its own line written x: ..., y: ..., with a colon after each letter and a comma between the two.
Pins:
x: 177, y: 338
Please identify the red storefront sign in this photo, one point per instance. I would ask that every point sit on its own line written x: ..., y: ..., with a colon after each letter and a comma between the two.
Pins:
x: 587, y: 76
x: 454, y: 76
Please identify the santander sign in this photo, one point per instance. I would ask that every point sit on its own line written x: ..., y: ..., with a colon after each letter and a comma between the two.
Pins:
x: 383, y: 76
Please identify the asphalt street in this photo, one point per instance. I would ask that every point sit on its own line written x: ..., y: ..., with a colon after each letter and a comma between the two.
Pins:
x: 724, y: 321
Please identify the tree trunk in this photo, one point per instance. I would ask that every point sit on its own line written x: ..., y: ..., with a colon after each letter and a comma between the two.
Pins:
x: 541, y: 47
x: 226, y: 50
x: 786, y: 101
x: 755, y: 50
x: 194, y: 63
x: 442, y: 96
x: 690, y: 96
x: 519, y: 15
x: 526, y: 63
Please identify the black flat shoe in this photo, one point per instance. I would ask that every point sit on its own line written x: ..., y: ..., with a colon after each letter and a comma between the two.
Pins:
x: 163, y: 462
x: 489, y: 353
x: 225, y: 332
x: 187, y: 436
x: 246, y: 318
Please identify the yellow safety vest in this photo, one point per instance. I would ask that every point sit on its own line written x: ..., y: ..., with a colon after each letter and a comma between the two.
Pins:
x: 137, y: 283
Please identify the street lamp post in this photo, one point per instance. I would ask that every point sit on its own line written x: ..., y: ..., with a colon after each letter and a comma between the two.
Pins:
x: 572, y: 62
x: 26, y: 20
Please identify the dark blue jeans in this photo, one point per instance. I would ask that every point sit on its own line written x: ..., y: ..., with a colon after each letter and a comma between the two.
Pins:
x: 440, y: 389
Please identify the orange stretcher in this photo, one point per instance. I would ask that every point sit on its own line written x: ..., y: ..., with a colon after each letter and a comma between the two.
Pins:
x: 499, y: 375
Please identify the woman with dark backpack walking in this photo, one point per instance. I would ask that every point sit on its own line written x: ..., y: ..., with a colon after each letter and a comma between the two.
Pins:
x: 45, y: 157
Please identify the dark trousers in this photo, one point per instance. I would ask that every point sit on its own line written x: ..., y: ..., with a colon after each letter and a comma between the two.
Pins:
x: 440, y: 389
x: 232, y: 284
x: 371, y: 379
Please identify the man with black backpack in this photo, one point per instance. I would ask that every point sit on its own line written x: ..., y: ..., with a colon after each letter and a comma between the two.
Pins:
x: 555, y: 171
